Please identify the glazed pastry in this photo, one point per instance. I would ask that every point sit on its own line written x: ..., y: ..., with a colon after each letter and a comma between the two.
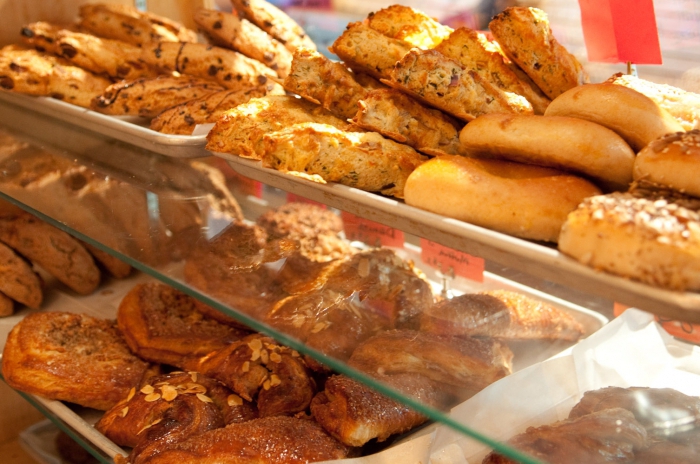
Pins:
x: 257, y: 368
x: 17, y: 279
x: 71, y: 357
x: 501, y: 314
x: 163, y: 325
x: 54, y: 250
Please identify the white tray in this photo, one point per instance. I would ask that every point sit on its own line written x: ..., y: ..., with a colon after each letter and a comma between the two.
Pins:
x: 533, y: 258
x: 131, y: 130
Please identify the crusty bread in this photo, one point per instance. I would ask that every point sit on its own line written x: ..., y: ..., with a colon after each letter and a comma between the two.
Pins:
x: 410, y: 25
x: 519, y: 199
x: 365, y: 50
x: 556, y: 141
x: 445, y: 84
x: 672, y: 161
x: 526, y: 38
x: 684, y: 106
x: 646, y: 236
x: 364, y: 160
x: 635, y: 117
x: 473, y: 51
x: 399, y: 117
x: 229, y: 31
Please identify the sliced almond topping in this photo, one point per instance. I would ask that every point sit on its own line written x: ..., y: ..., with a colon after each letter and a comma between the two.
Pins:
x: 204, y: 398
x: 145, y: 428
x: 275, y: 357
x: 255, y: 355
x: 255, y: 344
x: 264, y: 356
x: 157, y: 421
x: 363, y: 267
x: 275, y: 380
x: 246, y: 366
x: 131, y: 394
x: 125, y: 411
x: 295, y: 353
x: 152, y: 397
x: 193, y: 376
x: 319, y: 327
x: 266, y: 385
x: 147, y: 390
x: 196, y: 388
x: 234, y: 400
x: 169, y: 392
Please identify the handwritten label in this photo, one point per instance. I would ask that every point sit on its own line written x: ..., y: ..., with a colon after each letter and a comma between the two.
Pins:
x: 294, y: 198
x: 370, y: 232
x: 445, y: 259
x: 683, y: 330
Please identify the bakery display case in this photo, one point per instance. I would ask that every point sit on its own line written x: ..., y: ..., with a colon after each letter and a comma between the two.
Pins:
x: 295, y: 319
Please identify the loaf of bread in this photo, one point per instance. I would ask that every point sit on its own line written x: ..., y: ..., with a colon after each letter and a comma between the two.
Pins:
x: 519, y: 199
x: 672, y: 161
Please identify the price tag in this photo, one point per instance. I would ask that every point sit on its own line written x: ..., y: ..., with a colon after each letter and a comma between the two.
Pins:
x: 370, y: 232
x: 294, y: 198
x: 683, y: 330
x: 445, y: 259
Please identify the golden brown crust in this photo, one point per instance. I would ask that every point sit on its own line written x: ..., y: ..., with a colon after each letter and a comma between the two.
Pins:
x: 128, y: 24
x: 17, y: 279
x: 397, y: 116
x: 556, y: 141
x: 364, y: 160
x: 526, y: 38
x: 501, y: 314
x: 671, y: 161
x: 473, y: 51
x: 229, y: 31
x: 630, y: 114
x: 443, y: 83
x: 268, y: 440
x: 519, y: 199
x: 645, y: 236
x: 71, y: 357
x: 34, y: 73
x: 240, y: 131
x: 410, y: 25
x: 113, y: 58
x: 228, y: 68
x: 163, y: 325
x: 183, y: 118
x: 365, y: 50
x: 275, y: 22
x: 149, y: 97
x: 324, y: 82
x: 54, y: 250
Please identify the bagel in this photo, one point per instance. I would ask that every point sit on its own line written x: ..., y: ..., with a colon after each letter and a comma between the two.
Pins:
x: 559, y: 142
x: 632, y: 115
x: 672, y: 161
x: 519, y: 199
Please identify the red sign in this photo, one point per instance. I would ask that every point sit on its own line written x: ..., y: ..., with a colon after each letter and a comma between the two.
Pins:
x: 620, y: 31
x: 370, y: 232
x: 447, y: 260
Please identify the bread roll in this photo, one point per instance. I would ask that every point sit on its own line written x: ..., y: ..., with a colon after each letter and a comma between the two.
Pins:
x: 523, y: 200
x: 558, y: 142
x: 632, y: 115
x: 672, y: 161
x: 639, y: 235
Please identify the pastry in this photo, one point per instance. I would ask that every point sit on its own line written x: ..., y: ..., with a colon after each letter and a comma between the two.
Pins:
x: 410, y: 25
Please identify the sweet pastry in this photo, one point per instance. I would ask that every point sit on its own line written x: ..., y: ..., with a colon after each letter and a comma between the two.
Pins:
x: 54, y: 250
x: 71, y: 357
x: 163, y: 325
x: 502, y: 314
x: 18, y: 280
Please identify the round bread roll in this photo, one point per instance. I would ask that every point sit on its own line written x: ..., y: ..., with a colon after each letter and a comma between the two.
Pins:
x: 519, y: 199
x: 672, y: 161
x: 641, y: 236
x: 632, y: 115
x: 570, y: 144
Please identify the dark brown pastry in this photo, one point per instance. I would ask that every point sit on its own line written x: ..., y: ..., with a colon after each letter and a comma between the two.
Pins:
x: 502, y: 314
x: 163, y: 325
x: 268, y: 440
x: 257, y: 368
x: 54, y: 250
x: 71, y: 357
x: 17, y: 279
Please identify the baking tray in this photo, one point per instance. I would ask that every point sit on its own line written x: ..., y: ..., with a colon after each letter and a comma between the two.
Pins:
x: 536, y: 259
x: 131, y: 130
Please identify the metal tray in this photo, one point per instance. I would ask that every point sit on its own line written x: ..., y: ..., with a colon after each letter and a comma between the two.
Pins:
x: 536, y: 259
x: 131, y: 130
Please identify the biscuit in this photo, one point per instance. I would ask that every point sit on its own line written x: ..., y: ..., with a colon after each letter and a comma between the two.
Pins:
x: 7, y: 306
x: 114, y: 266
x: 410, y: 25
x: 17, y: 279
x: 275, y: 22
